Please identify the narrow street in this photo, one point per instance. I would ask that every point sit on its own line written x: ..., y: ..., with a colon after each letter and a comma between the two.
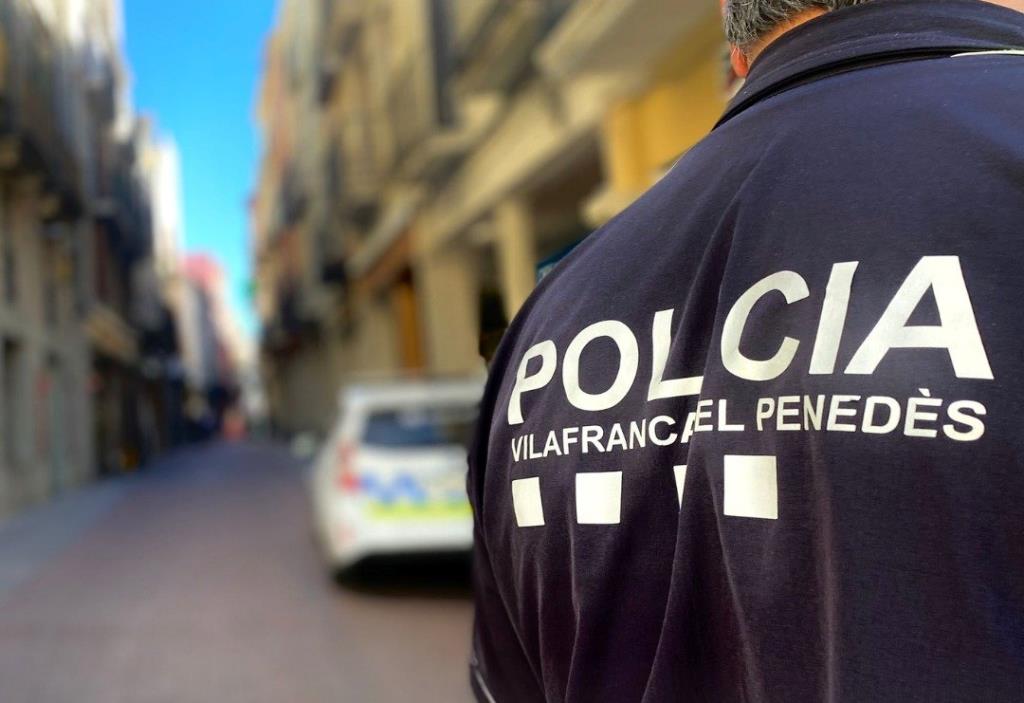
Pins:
x: 198, y: 580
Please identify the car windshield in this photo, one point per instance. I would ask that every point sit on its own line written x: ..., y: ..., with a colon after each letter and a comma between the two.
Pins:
x: 420, y: 426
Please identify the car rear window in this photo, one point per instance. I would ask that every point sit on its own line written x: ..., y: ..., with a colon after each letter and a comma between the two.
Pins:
x: 420, y: 426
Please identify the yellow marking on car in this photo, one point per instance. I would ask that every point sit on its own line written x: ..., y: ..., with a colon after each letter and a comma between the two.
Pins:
x: 426, y: 511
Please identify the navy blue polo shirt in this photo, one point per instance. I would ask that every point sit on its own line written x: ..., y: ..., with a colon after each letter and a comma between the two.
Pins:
x: 760, y: 437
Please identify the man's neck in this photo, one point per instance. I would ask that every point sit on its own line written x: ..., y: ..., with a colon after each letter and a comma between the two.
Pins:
x: 1017, y: 5
x: 743, y: 58
x: 804, y: 17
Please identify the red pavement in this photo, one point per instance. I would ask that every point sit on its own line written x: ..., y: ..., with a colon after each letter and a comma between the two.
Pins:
x: 201, y: 583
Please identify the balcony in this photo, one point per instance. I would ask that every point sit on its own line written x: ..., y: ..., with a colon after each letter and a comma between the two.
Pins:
x: 330, y: 254
x: 468, y: 20
x: 121, y: 204
x: 333, y: 272
x: 103, y: 92
x: 500, y: 51
x: 414, y: 105
x: 439, y: 152
x: 289, y: 327
x: 353, y: 173
x: 343, y: 23
x: 279, y: 207
x: 35, y: 120
x: 293, y: 199
x: 110, y: 335
x: 596, y: 36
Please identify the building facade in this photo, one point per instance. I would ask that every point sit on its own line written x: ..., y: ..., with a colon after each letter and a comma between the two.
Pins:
x: 427, y: 160
x: 213, y: 346
x: 75, y: 227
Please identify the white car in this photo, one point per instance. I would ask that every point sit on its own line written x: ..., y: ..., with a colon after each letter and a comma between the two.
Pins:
x: 391, y: 477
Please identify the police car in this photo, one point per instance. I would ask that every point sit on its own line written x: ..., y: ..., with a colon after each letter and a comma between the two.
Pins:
x: 391, y: 477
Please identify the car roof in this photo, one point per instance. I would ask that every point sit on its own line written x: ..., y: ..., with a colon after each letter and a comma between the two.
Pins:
x: 412, y: 391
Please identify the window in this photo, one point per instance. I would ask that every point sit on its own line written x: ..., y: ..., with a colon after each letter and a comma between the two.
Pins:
x: 7, y: 247
x: 12, y: 390
x: 436, y: 426
x: 50, y: 279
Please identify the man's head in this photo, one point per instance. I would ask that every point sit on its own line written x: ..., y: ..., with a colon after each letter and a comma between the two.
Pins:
x: 750, y: 25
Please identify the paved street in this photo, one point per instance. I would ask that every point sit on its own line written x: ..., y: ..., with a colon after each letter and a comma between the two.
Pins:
x: 197, y: 580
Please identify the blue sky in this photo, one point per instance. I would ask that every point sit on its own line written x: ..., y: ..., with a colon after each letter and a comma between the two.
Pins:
x: 196, y: 66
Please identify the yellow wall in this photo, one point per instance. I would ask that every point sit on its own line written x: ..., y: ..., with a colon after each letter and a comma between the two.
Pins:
x: 644, y: 134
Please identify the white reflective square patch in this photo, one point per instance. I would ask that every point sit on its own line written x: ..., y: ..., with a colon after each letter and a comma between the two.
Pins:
x: 751, y: 487
x: 526, y: 501
x: 599, y: 498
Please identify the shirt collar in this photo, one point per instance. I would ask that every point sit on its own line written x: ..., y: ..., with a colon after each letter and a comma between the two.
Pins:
x: 883, y: 29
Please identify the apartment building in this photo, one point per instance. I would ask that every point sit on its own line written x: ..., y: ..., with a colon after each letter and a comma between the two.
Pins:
x: 75, y: 221
x: 428, y: 160
x: 215, y: 352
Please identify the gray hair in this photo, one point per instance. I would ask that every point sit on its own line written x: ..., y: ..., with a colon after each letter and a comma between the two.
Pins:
x: 746, y: 21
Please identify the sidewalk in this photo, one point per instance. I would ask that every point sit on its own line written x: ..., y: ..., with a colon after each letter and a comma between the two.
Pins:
x: 196, y: 580
x: 29, y: 539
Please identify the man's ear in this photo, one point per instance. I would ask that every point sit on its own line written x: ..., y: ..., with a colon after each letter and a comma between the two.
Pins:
x: 740, y: 62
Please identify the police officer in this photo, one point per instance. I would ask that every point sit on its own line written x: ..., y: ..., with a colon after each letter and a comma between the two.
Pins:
x: 759, y: 438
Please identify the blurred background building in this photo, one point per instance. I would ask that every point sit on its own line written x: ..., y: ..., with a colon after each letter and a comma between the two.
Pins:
x: 422, y: 164
x: 213, y: 346
x: 426, y: 161
x: 91, y: 280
